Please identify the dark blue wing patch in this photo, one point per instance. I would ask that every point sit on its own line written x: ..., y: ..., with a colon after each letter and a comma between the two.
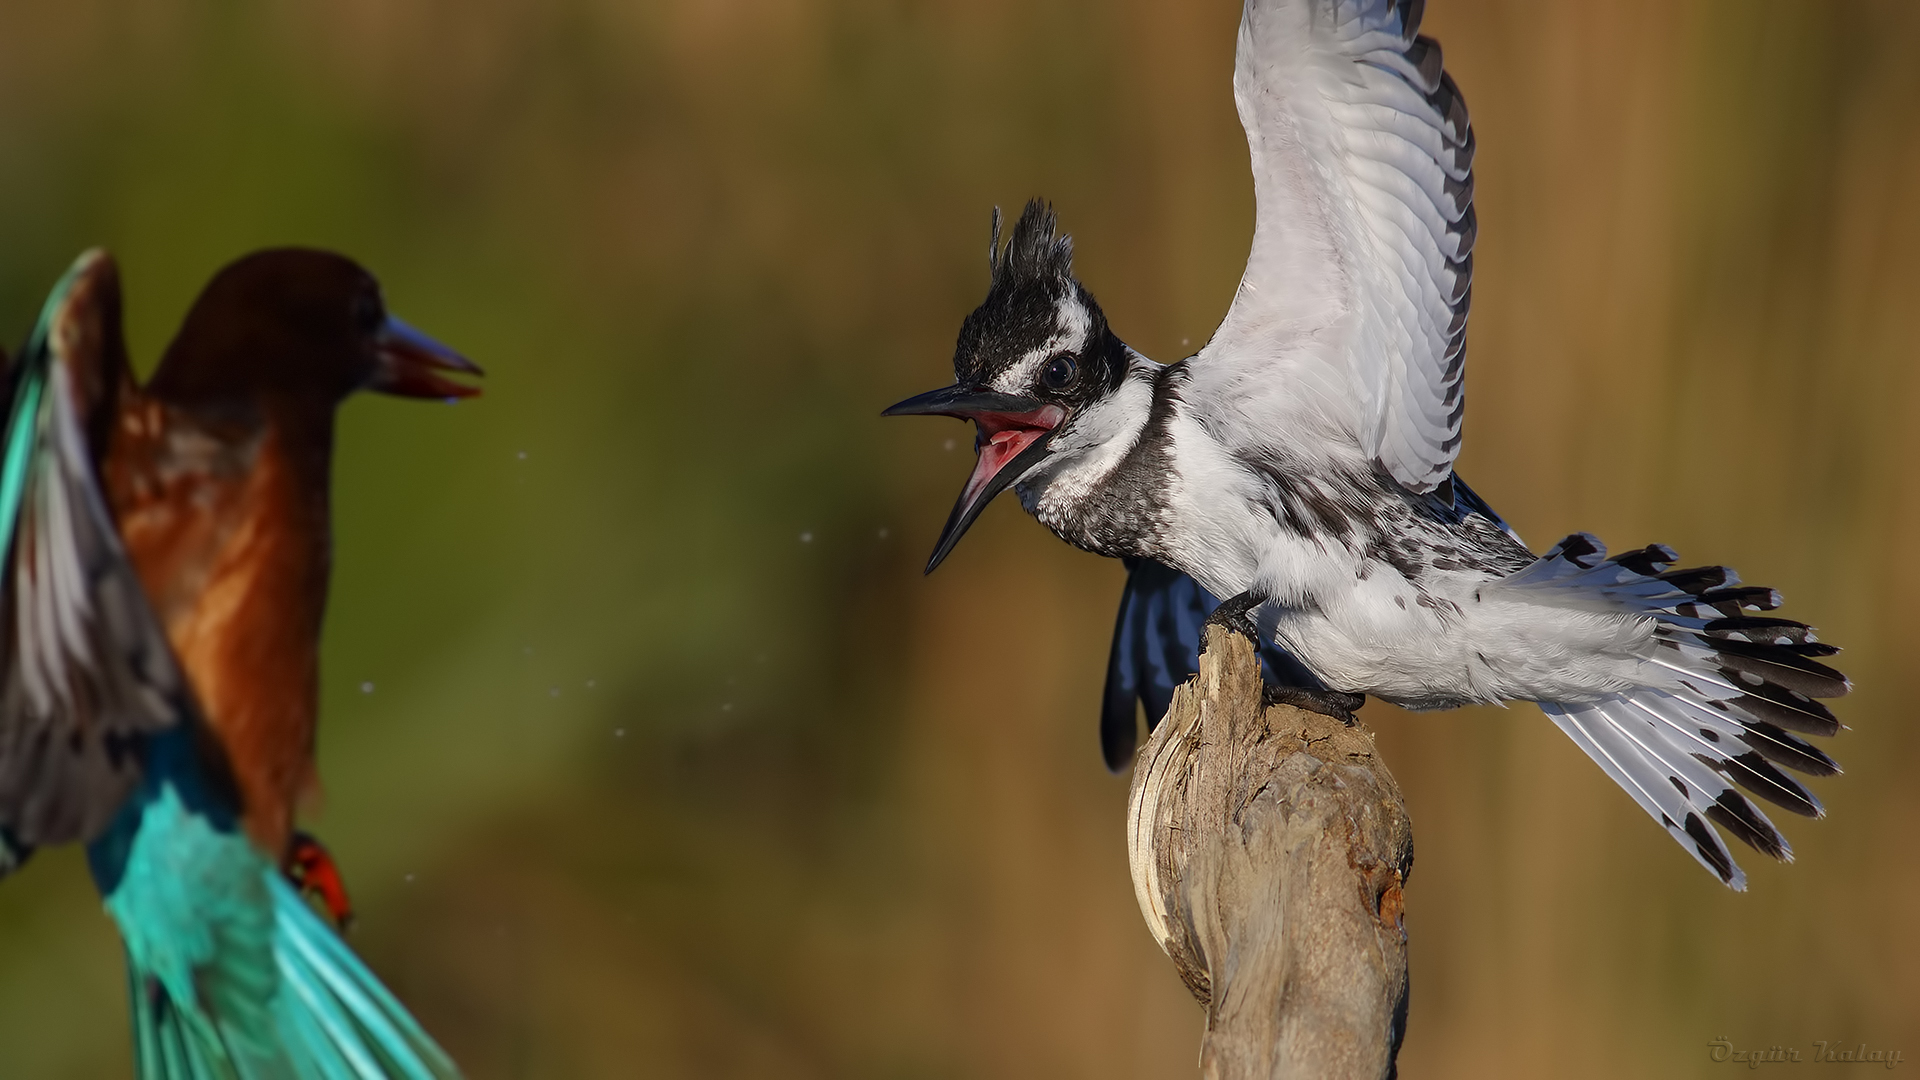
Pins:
x: 1156, y: 647
x: 1464, y: 504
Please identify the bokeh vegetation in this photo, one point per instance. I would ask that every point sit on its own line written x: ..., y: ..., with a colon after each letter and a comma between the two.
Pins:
x: 648, y: 750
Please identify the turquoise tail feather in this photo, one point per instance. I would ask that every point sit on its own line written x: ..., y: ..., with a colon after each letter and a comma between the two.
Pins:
x: 349, y: 1025
x: 169, y: 1044
x: 232, y: 973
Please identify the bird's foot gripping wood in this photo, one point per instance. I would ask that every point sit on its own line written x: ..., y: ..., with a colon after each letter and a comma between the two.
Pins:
x: 1337, y: 704
x: 1235, y: 615
x: 1270, y: 847
x: 312, y: 870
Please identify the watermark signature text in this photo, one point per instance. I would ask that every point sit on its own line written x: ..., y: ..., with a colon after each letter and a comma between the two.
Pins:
x: 1821, y: 1051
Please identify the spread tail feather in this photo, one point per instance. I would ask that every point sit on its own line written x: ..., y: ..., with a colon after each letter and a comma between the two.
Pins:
x: 1734, y: 688
x: 335, y: 1010
x: 331, y: 1018
x: 171, y: 1043
x: 232, y: 975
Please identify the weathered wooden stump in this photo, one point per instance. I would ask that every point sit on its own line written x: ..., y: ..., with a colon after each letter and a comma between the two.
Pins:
x: 1269, y: 850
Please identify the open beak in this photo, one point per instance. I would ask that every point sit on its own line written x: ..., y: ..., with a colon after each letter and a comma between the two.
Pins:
x: 1013, y: 436
x: 413, y: 365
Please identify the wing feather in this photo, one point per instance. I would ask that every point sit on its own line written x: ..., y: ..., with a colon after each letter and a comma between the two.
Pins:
x: 85, y: 667
x: 1351, y: 316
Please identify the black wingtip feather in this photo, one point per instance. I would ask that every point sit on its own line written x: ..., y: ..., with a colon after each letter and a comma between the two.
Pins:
x: 1652, y: 560
x: 1734, y: 599
x: 1782, y: 748
x: 1698, y: 580
x: 1413, y: 12
x: 1781, y: 668
x: 1710, y: 848
x: 1424, y: 54
x: 1583, y: 550
x: 1773, y: 705
x: 1753, y: 772
x: 1740, y: 818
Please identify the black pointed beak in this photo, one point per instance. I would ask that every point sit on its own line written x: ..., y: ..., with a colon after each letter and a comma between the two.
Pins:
x: 965, y: 402
x: 1013, y: 433
x: 411, y: 365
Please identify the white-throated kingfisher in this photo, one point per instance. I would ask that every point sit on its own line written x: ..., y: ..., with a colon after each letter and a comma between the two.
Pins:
x: 165, y: 555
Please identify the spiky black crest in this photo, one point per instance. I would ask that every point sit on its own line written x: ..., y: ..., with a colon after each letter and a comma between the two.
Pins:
x: 1031, y: 302
x: 1037, y: 254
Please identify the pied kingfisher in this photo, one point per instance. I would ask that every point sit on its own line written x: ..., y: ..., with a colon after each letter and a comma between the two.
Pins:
x: 1302, y: 462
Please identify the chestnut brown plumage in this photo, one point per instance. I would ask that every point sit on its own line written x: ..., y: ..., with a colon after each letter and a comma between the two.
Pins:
x: 219, y: 473
x: 164, y: 555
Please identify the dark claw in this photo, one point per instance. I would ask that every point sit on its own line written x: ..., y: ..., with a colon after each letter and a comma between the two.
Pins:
x: 1235, y: 614
x: 1341, y: 706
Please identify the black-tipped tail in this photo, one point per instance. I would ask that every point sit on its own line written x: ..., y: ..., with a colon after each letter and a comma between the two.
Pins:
x: 1732, y: 688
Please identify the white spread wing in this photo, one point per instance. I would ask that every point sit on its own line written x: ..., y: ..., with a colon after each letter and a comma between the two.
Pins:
x: 1350, y: 322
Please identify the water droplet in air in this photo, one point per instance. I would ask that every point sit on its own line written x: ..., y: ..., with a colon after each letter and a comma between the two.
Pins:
x: 726, y: 706
x: 883, y: 534
x: 950, y: 444
x: 553, y: 691
x: 522, y: 455
x: 806, y: 538
x: 619, y: 733
x: 589, y: 684
x: 366, y: 688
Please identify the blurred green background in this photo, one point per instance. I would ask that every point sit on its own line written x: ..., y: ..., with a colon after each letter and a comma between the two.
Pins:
x: 648, y: 750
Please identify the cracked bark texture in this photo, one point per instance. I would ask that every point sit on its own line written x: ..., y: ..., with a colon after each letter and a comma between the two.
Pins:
x: 1269, y: 850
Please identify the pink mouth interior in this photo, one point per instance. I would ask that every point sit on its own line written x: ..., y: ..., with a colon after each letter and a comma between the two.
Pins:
x: 1002, y: 438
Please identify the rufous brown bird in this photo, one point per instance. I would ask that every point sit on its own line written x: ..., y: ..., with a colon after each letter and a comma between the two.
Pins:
x: 166, y: 555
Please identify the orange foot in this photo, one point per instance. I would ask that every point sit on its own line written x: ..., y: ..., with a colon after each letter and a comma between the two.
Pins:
x: 313, y: 871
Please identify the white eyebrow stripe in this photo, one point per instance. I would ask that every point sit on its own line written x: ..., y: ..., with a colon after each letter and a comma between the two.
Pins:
x: 1074, y: 323
x: 1075, y: 320
x: 1020, y: 377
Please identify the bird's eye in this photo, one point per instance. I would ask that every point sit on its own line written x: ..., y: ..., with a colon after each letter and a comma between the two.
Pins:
x: 368, y: 312
x: 1059, y: 373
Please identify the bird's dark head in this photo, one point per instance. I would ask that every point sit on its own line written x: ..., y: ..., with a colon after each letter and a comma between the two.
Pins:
x: 1032, y: 359
x: 297, y: 326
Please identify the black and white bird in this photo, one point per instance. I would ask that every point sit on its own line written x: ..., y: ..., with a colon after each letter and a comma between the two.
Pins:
x: 1302, y: 461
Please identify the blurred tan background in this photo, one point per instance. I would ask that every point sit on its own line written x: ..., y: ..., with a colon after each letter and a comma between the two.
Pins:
x: 649, y: 751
